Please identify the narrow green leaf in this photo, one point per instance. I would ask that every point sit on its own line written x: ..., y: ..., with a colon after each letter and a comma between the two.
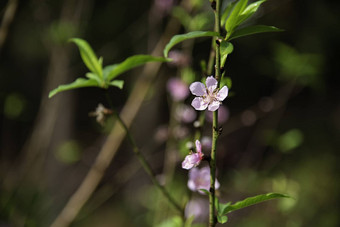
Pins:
x: 232, y: 20
x: 205, y: 191
x: 222, y: 219
x: 78, y: 83
x: 226, y: 12
x: 226, y: 48
x: 112, y: 71
x: 95, y: 77
x: 180, y: 38
x: 117, y: 83
x: 223, y: 207
x: 253, y: 30
x: 252, y: 201
x: 249, y: 11
x: 89, y: 57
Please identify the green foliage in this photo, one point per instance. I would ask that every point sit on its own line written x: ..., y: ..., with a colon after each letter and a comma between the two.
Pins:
x: 232, y: 20
x: 112, y: 71
x: 180, y: 38
x: 223, y: 209
x: 253, y: 30
x: 78, y: 83
x: 236, y: 14
x: 249, y: 11
x: 89, y: 57
x: 99, y: 77
x: 227, y: 12
x: 226, y: 48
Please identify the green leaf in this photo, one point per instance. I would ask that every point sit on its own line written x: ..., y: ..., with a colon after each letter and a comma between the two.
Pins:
x: 222, y: 219
x: 253, y: 30
x: 249, y: 11
x: 226, y: 12
x: 112, y: 71
x: 252, y: 201
x: 231, y: 22
x: 95, y: 77
x: 89, y: 57
x: 180, y: 38
x: 117, y: 83
x: 205, y: 191
x: 226, y: 48
x: 78, y: 83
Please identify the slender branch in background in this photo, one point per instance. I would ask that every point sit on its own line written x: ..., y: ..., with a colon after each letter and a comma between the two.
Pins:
x: 142, y: 160
x: 116, y: 136
x: 216, y: 5
x: 146, y: 165
x: 7, y: 20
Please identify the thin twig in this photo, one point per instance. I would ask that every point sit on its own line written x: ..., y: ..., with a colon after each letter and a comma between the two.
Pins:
x: 116, y: 136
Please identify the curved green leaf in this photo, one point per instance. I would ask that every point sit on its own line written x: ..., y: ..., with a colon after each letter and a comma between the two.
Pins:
x: 89, y: 57
x: 231, y: 22
x: 117, y: 83
x: 180, y: 38
x: 253, y: 30
x: 78, y: 83
x: 112, y: 71
x: 227, y: 12
x: 249, y: 11
x: 226, y: 48
x: 252, y: 201
x: 222, y: 219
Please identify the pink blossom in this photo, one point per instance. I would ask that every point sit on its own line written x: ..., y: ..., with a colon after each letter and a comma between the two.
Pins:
x: 177, y: 89
x: 200, y: 179
x: 206, y: 142
x: 185, y: 113
x: 179, y: 58
x: 208, y: 95
x: 193, y: 159
x: 199, y: 208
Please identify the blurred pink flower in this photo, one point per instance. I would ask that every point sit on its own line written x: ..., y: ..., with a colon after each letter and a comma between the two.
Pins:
x: 208, y: 95
x: 185, y: 114
x: 223, y: 115
x: 206, y: 142
x: 200, y: 179
x: 179, y: 58
x: 199, y: 208
x: 164, y: 5
x: 177, y: 89
x: 193, y: 159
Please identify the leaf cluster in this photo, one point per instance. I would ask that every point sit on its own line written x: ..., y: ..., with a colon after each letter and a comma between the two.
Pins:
x: 99, y: 76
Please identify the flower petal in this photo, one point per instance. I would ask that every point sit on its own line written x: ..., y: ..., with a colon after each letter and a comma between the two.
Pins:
x: 214, y: 105
x: 222, y: 94
x: 198, y: 146
x: 199, y: 104
x: 186, y: 164
x: 198, y: 89
x: 192, y: 185
x: 211, y: 83
x: 191, y: 160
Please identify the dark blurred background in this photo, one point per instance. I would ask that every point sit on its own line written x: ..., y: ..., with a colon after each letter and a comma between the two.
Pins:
x: 282, y: 133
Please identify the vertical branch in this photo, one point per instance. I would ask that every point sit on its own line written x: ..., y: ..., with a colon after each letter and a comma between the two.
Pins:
x: 216, y: 5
